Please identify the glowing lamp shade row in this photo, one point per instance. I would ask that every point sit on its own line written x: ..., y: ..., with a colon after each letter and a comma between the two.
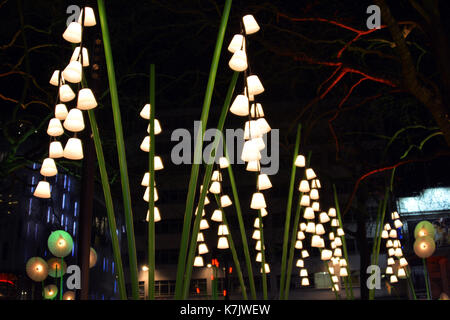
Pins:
x: 37, y: 269
x: 60, y: 243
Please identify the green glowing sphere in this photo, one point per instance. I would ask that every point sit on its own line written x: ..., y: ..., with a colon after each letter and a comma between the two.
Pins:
x: 50, y: 291
x: 37, y: 269
x: 424, y: 228
x: 424, y: 247
x: 54, y: 267
x: 60, y: 243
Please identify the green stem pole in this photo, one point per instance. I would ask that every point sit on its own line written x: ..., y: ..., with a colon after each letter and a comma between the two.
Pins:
x: 298, y: 211
x: 206, y: 181
x: 61, y: 280
x: 348, y: 282
x: 198, y: 153
x: 263, y: 255
x: 120, y: 151
x: 288, y: 214
x: 427, y: 280
x: 411, y: 285
x: 248, y: 260
x: 151, y: 202
x: 233, y: 250
x: 109, y: 205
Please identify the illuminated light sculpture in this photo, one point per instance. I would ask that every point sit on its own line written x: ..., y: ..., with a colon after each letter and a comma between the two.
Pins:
x: 73, y: 72
x: 263, y: 182
x: 66, y: 93
x: 258, y: 201
x: 424, y: 228
x: 198, y: 261
x: 240, y: 105
x: 424, y: 247
x: 217, y: 216
x: 73, y: 32
x: 250, y: 24
x: 238, y: 61
x: 73, y: 149
x: 89, y: 17
x: 254, y: 85
x: 308, y: 213
x: 60, y: 243
x: 74, y: 121
x: 37, y: 269
x: 55, y: 128
x: 69, y: 295
x: 222, y: 243
x: 48, y: 168
x: 50, y: 291
x: 86, y: 99
x: 54, y: 267
x: 92, y: 257
x: 77, y: 57
x: 156, y: 215
x: 42, y: 190
x: 236, y: 43
x: 300, y: 161
x: 61, y: 111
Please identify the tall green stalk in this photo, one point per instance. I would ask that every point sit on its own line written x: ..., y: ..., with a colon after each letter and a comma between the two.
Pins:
x: 263, y: 256
x: 237, y: 203
x: 427, y: 279
x: 198, y: 152
x: 109, y: 205
x: 298, y: 212
x: 151, y: 200
x: 288, y: 214
x: 348, y: 282
x: 120, y: 151
x: 206, y: 181
x: 237, y: 264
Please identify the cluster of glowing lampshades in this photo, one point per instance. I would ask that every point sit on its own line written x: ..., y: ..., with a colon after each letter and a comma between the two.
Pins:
x: 245, y: 104
x: 158, y: 164
x: 424, y: 246
x: 65, y: 119
x: 202, y: 247
x: 394, y: 249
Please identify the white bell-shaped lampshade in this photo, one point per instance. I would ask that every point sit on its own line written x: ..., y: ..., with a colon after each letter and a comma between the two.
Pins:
x: 305, y: 282
x: 158, y: 164
x: 393, y: 233
x: 266, y: 268
x: 73, y: 33
x: 393, y: 279
x: 223, y: 163
x: 310, y: 174
x: 343, y: 272
x: 264, y: 182
x: 48, y: 168
x: 396, y: 243
x: 55, y: 150
x: 42, y: 190
x: 238, y: 61
x: 260, y: 143
x: 338, y: 241
x: 200, y: 237
x: 225, y: 201
x: 74, y: 121
x: 320, y: 230
x: 256, y: 224
x: 250, y: 151
x: 55, y: 128
x: 323, y: 217
x: 326, y: 254
x: 309, y: 213
x: 202, y: 248
x: 251, y: 130
x: 145, y: 112
x: 390, y: 261
x: 334, y: 222
x: 314, y: 194
x: 258, y: 201
x: 204, y: 224
x: 302, y: 226
x: 332, y: 212
x: 403, y: 262
x: 250, y: 24
x: 304, y: 186
x: 300, y: 235
x: 198, y: 261
x: 73, y: 72
x: 263, y: 125
x: 66, y: 93
x: 384, y: 234
x: 158, y: 128
x: 298, y: 244
x: 240, y: 105
x: 206, y: 202
x: 300, y: 161
x: 331, y: 270
x: 311, y: 227
x: 215, y: 187
x: 256, y: 235
x: 337, y: 252
x: 391, y: 252
x: 398, y: 252
x: 398, y: 223
x: 300, y: 263
x: 305, y: 201
x: 303, y: 273
x: 316, y: 241
x: 258, y: 246
x: 216, y: 176
x: 222, y: 243
x: 315, y: 206
x: 86, y: 99
x: 156, y: 215
x: 61, y: 111
x: 89, y: 17
x: 217, y: 216
x: 254, y: 85
x: 343, y: 263
x: 395, y: 215
x: 401, y: 273
x: 54, y: 80
x: 340, y: 232
x: 315, y: 183
x: 333, y: 245
x: 223, y: 230
x: 146, y: 196
x: 77, y: 57
x: 331, y: 236
x: 253, y: 166
x: 145, y: 144
x: 387, y: 227
x: 389, y: 243
x: 236, y: 43
x: 305, y: 253
x: 263, y: 212
x: 335, y: 279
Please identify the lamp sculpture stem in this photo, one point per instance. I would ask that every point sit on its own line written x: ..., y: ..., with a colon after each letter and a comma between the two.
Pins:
x: 180, y: 280
x: 263, y: 257
x: 427, y: 279
x: 288, y: 215
x: 61, y: 280
x: 121, y: 152
x: 151, y: 201
x: 411, y: 285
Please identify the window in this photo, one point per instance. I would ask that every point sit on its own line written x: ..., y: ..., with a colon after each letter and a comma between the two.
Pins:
x: 141, y: 289
x: 164, y: 288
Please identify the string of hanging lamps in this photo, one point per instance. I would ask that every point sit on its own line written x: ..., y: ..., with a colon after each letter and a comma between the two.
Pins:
x: 202, y: 247
x: 72, y: 119
x: 245, y: 104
